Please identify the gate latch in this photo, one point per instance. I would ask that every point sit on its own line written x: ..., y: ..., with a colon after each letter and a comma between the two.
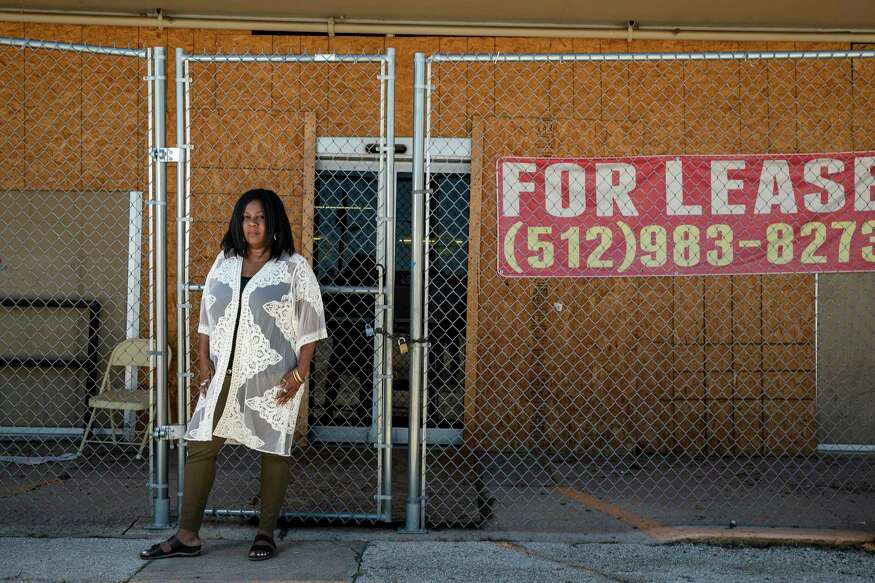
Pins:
x: 165, y: 154
x: 169, y: 432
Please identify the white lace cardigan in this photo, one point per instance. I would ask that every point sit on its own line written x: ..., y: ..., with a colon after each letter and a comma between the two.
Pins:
x: 281, y: 310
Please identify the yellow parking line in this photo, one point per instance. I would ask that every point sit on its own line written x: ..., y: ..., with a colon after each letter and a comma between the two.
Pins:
x: 612, y: 510
x: 750, y: 535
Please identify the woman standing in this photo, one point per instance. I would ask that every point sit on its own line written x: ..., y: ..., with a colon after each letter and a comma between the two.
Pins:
x: 261, y: 316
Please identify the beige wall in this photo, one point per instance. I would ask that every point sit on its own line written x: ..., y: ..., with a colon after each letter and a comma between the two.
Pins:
x: 845, y: 366
x: 59, y: 245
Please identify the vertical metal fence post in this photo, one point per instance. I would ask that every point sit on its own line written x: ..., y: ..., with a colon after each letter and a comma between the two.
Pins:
x: 150, y: 71
x: 414, y: 477
x: 183, y: 303
x: 389, y: 283
x: 160, y: 500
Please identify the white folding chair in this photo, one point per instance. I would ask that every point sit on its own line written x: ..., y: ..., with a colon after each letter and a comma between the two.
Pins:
x: 133, y: 352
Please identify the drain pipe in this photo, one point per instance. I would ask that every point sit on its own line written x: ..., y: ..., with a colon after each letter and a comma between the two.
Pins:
x: 336, y: 26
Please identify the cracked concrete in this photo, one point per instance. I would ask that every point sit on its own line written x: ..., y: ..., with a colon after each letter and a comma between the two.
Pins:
x: 433, y: 562
x: 359, y: 558
x: 225, y: 562
x: 365, y: 556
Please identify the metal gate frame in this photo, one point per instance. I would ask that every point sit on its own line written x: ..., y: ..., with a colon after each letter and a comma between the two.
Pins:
x: 423, y: 89
x: 385, y: 251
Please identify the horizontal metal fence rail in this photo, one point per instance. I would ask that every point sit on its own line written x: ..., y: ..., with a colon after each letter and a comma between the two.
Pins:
x: 314, y: 58
x: 24, y: 43
x: 645, y: 57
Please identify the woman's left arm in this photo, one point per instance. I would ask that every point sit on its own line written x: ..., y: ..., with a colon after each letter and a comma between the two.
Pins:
x: 309, y: 315
x: 291, y: 383
x: 304, y: 359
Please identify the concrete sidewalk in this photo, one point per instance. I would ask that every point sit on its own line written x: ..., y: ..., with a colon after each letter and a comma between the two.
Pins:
x: 391, y: 559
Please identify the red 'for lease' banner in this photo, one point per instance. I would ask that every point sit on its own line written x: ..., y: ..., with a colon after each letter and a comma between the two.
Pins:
x: 686, y: 215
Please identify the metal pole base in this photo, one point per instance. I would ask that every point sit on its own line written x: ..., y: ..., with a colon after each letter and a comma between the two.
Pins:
x: 406, y: 530
x: 161, y: 515
x: 412, y: 525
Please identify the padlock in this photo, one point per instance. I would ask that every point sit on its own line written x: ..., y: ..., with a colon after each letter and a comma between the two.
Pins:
x: 402, y: 345
x: 369, y: 331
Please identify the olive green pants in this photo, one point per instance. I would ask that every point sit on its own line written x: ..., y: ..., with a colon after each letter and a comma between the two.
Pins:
x: 200, y: 472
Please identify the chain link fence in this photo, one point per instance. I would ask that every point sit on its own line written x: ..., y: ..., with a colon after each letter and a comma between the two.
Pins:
x: 714, y: 390
x: 634, y: 305
x: 75, y: 284
x: 313, y: 128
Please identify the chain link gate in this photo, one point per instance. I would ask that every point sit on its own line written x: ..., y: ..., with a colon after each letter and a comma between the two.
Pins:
x: 679, y: 399
x: 314, y: 128
x: 77, y: 284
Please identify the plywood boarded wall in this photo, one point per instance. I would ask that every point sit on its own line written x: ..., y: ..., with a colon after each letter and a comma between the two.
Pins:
x: 719, y: 365
x: 696, y: 364
x: 73, y: 145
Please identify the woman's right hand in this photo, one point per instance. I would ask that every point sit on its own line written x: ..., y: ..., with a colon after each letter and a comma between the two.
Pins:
x: 206, y: 375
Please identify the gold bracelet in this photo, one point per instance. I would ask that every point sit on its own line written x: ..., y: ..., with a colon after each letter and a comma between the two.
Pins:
x: 298, y: 377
